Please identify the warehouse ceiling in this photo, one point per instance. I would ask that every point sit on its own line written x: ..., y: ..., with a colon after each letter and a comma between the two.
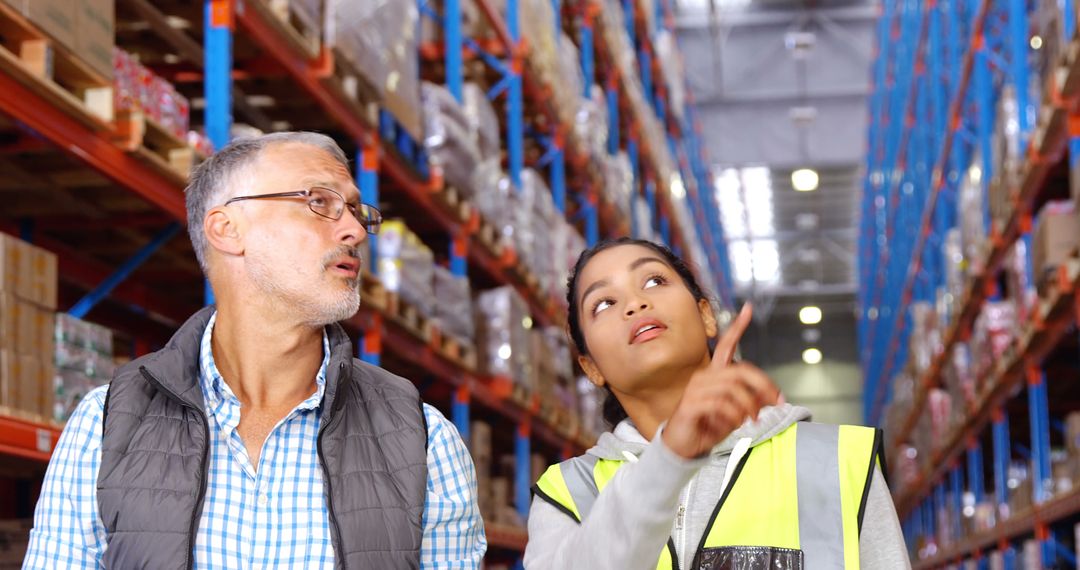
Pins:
x: 782, y: 85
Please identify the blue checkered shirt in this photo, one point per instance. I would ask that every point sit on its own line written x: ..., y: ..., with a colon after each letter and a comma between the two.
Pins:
x: 273, y: 517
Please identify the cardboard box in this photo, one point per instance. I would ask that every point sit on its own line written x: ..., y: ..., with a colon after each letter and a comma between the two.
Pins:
x: 26, y: 335
x: 46, y: 384
x: 9, y: 322
x: 57, y: 18
x: 95, y: 34
x: 16, y: 265
x: 1057, y: 235
x: 9, y: 378
x: 43, y: 278
x: 44, y: 334
x: 28, y: 389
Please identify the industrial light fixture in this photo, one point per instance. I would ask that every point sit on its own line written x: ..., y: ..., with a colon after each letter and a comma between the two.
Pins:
x: 811, y: 356
x: 810, y: 315
x: 805, y: 180
x: 1036, y: 42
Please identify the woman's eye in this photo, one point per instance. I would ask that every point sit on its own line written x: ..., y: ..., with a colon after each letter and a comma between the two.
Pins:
x: 601, y: 305
x: 654, y: 281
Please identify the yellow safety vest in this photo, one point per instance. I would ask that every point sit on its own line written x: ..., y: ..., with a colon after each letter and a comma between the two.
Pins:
x: 794, y: 501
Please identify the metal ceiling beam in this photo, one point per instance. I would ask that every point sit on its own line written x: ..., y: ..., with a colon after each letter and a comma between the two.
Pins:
x: 857, y: 13
x: 786, y: 97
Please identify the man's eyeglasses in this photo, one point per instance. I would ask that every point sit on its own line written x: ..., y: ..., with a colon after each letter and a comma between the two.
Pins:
x: 328, y: 204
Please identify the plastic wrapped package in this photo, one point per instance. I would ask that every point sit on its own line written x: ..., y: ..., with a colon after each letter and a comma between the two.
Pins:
x: 972, y: 220
x: 925, y: 340
x: 495, y: 198
x: 83, y: 362
x: 1007, y: 154
x: 590, y: 403
x: 1017, y: 285
x: 407, y: 266
x: 450, y: 138
x: 454, y: 307
x: 619, y: 181
x: 993, y: 334
x: 379, y: 39
x: 575, y: 245
x: 939, y: 408
x: 591, y: 123
x: 667, y: 53
x: 482, y: 120
x: 559, y: 348
x: 899, y: 407
x: 503, y: 336
x: 643, y: 220
x: 955, y: 269
x: 136, y: 88
x: 569, y: 82
x: 535, y: 217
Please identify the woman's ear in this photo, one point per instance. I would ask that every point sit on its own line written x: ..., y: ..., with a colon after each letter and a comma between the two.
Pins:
x: 592, y: 371
x: 708, y: 317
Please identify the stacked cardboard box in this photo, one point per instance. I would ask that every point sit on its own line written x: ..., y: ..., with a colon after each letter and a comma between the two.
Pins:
x: 503, y: 336
x: 137, y: 89
x: 83, y: 360
x: 407, y: 266
x: 1057, y: 236
x: 28, y: 290
x: 480, y: 449
x: 454, y: 308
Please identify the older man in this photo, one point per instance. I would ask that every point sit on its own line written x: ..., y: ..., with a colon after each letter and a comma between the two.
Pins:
x: 254, y: 439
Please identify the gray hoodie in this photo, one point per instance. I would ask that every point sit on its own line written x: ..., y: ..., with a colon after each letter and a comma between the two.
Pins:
x: 661, y: 495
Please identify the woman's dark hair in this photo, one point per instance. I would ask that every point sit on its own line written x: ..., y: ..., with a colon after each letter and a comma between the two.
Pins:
x: 613, y: 411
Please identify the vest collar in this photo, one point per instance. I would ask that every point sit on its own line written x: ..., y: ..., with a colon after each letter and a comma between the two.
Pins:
x: 181, y: 353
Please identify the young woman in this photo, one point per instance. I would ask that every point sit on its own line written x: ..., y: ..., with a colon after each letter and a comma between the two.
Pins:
x: 706, y: 465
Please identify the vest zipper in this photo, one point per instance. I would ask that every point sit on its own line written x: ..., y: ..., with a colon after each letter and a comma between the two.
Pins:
x: 192, y: 533
x: 336, y: 530
x: 680, y: 517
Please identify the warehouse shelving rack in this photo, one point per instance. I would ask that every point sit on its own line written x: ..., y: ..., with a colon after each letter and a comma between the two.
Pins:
x: 937, y: 73
x: 147, y: 299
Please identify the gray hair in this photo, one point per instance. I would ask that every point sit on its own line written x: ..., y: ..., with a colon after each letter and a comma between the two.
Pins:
x: 212, y: 180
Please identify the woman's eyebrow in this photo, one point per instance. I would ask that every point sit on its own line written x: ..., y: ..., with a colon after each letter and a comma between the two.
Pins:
x: 643, y: 260
x: 591, y: 288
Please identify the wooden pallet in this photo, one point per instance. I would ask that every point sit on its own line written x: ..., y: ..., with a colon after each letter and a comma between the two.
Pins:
x: 302, y: 36
x: 490, y: 238
x: 409, y: 317
x: 458, y: 351
x: 372, y: 292
x: 53, y: 71
x: 451, y: 200
x: 145, y: 138
x: 341, y: 75
x: 521, y: 395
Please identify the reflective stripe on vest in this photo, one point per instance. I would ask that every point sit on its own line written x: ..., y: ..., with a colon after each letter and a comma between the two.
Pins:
x: 805, y: 488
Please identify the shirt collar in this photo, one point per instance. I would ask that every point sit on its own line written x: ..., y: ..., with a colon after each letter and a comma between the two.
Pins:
x: 219, y: 396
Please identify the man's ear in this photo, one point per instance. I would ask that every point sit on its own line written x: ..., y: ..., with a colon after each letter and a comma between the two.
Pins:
x: 222, y: 229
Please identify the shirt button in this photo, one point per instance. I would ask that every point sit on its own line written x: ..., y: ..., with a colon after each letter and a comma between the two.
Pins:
x: 264, y: 499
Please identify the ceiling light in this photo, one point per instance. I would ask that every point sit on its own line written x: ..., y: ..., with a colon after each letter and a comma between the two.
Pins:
x: 678, y: 190
x: 811, y: 356
x: 1036, y: 42
x: 810, y: 315
x: 805, y: 180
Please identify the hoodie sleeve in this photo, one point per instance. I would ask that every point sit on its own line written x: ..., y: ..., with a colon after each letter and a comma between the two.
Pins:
x: 881, y: 543
x: 628, y: 526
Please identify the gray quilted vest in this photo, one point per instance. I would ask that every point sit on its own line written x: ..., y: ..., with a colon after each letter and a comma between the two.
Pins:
x: 154, y: 459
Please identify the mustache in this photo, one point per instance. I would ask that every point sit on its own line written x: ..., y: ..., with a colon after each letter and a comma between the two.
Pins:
x: 343, y: 251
